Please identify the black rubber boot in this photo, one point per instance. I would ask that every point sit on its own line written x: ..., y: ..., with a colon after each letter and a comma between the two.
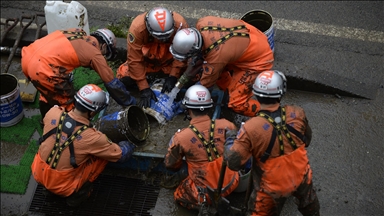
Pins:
x: 48, y: 193
x: 204, y: 210
x: 171, y: 182
x: 80, y: 196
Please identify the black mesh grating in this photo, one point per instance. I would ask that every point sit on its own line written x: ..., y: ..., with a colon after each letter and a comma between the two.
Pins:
x: 112, y: 195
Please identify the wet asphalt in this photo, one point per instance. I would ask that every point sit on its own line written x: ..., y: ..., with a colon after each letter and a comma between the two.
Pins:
x: 337, y: 79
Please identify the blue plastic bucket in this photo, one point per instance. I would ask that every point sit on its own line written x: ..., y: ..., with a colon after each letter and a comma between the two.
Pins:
x: 11, y: 109
x: 129, y: 124
x: 263, y: 21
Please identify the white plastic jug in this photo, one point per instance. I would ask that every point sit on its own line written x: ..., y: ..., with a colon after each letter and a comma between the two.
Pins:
x: 61, y: 15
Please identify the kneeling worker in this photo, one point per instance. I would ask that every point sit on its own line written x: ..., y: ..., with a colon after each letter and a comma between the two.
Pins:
x: 72, y: 154
x: 202, y: 145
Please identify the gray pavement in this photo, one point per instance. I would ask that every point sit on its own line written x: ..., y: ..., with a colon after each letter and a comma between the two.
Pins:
x: 322, y: 46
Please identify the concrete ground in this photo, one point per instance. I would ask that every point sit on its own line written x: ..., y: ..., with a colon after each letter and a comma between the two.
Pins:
x: 346, y: 153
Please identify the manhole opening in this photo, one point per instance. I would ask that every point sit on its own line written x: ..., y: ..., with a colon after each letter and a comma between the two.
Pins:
x: 112, y: 195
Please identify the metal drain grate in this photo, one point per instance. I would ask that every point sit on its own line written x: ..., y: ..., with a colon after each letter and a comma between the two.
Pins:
x: 112, y: 195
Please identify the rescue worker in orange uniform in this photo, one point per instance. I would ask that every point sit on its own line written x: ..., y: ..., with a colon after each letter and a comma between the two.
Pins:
x: 202, y: 145
x: 148, y: 41
x: 276, y: 138
x: 234, y: 53
x: 49, y: 62
x: 72, y: 153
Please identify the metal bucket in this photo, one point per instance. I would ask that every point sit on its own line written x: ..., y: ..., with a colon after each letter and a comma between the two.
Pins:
x: 129, y: 124
x: 11, y: 109
x: 263, y: 21
x: 243, y: 181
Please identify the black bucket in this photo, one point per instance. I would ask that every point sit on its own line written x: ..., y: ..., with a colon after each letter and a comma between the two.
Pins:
x: 129, y: 124
x: 263, y: 21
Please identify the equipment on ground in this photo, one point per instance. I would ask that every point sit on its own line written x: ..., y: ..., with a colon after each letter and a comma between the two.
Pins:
x: 221, y: 204
x: 63, y: 15
x: 28, y: 92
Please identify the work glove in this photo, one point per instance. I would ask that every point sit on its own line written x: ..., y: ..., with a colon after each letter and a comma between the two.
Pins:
x: 169, y: 84
x: 195, y: 67
x: 119, y: 93
x: 230, y: 136
x: 127, y: 149
x: 145, y: 98
x: 129, y: 83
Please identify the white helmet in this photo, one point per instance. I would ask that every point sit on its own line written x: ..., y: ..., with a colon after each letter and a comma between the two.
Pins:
x: 186, y: 42
x: 270, y: 84
x: 197, y: 97
x: 109, y: 39
x: 160, y: 23
x: 92, y: 97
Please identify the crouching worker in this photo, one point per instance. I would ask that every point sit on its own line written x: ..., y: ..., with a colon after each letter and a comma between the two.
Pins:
x: 276, y: 138
x: 72, y: 154
x: 202, y: 145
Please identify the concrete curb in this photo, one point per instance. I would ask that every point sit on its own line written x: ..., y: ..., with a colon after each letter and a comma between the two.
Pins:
x: 300, y: 77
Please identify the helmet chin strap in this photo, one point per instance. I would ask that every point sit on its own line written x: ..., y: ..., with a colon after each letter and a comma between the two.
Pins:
x: 187, y: 116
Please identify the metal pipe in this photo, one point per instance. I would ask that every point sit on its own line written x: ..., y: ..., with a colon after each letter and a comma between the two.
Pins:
x: 8, y: 50
x: 39, y: 26
x: 17, y: 41
x: 9, y: 28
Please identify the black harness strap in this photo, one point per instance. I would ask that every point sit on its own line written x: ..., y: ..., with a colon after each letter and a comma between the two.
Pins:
x: 267, y: 152
x: 279, y: 129
x: 58, y: 136
x: 226, y: 37
x: 216, y: 28
x: 69, y: 142
x: 53, y: 131
x: 210, y: 144
x: 78, y: 35
x: 297, y: 133
x: 57, y: 149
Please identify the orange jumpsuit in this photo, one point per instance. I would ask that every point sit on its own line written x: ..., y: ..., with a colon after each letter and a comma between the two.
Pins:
x: 234, y: 64
x: 48, y: 63
x: 92, y: 150
x: 201, y: 172
x: 146, y: 54
x: 280, y: 176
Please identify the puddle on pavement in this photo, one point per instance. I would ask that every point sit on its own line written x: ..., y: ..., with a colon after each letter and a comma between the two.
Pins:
x: 11, y: 153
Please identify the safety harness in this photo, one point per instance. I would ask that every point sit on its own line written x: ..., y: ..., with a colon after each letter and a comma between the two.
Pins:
x: 77, y: 35
x: 279, y: 130
x: 66, y: 125
x: 226, y: 37
x: 210, y: 144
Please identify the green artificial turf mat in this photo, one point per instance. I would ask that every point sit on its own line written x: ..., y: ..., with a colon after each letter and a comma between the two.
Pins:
x: 15, y: 178
x: 22, y: 131
x: 83, y: 76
